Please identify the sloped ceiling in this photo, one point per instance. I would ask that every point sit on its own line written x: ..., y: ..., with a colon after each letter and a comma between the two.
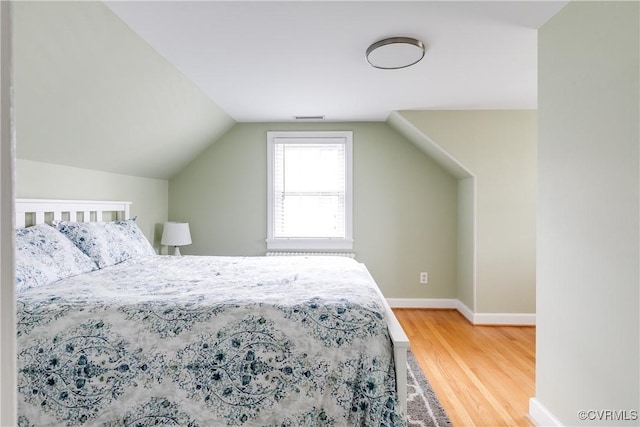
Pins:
x: 272, y: 60
x: 145, y: 91
x: 92, y: 94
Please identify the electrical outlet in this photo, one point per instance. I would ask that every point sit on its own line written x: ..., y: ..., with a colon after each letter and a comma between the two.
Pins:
x: 424, y: 278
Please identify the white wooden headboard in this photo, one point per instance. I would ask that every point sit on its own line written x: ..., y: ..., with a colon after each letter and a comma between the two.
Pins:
x: 39, y: 211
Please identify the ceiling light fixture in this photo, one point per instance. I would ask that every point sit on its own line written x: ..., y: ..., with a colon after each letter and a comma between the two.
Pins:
x: 395, y: 53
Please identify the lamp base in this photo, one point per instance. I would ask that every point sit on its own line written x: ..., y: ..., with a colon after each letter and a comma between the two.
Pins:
x: 176, y: 251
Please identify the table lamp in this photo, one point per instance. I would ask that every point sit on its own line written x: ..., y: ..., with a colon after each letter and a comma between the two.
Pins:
x: 176, y: 234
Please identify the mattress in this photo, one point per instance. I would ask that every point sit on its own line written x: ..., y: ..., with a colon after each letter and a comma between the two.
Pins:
x: 206, y: 341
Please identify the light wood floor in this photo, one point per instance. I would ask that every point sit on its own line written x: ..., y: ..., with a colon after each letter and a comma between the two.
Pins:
x: 483, y: 375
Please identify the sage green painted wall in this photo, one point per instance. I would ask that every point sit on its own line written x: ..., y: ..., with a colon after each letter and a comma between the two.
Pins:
x: 404, y: 205
x: 588, y: 329
x: 37, y: 180
x: 499, y: 148
x: 466, y: 253
x: 466, y: 241
x: 91, y: 93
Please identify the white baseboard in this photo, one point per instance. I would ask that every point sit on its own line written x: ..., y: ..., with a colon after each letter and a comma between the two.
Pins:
x: 422, y: 302
x: 515, y: 319
x: 541, y: 416
x: 465, y: 311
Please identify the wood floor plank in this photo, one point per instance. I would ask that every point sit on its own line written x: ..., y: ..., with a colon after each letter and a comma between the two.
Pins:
x: 483, y: 375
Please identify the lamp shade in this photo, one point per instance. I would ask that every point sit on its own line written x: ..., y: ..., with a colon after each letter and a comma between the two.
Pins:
x: 176, y: 234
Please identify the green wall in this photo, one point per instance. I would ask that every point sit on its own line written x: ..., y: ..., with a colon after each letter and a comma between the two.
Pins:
x: 404, y: 205
x: 465, y: 285
x: 37, y: 180
x: 90, y: 93
x: 499, y: 149
x: 588, y: 333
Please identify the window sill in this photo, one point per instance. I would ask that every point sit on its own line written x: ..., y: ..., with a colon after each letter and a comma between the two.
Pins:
x: 309, y: 244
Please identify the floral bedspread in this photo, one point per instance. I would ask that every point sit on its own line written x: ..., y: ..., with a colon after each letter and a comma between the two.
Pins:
x: 208, y: 341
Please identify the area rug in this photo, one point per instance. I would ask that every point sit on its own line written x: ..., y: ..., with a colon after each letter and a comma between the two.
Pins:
x: 423, y: 407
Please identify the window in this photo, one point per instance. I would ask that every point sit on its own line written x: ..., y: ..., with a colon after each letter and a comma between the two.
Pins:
x: 309, y: 190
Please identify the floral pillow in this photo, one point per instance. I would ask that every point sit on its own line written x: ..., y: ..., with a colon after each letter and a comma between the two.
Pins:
x: 107, y: 243
x: 43, y: 256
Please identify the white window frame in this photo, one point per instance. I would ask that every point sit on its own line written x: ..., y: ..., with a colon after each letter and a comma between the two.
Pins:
x: 341, y: 137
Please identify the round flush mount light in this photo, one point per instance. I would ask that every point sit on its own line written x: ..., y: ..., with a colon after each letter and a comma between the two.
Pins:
x: 395, y: 52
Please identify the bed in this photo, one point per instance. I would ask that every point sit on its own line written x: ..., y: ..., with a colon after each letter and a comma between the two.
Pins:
x: 116, y: 335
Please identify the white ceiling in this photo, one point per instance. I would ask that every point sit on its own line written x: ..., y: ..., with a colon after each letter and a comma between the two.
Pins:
x: 270, y: 61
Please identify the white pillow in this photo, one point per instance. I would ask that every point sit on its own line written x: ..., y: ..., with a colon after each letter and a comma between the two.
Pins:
x: 107, y: 243
x: 43, y: 256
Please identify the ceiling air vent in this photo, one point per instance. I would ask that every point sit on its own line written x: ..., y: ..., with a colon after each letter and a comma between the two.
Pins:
x: 308, y: 117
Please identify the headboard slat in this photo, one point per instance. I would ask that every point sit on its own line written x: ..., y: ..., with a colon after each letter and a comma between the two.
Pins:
x: 39, y: 217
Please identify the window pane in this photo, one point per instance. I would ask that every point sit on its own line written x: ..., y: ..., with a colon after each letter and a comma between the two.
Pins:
x: 312, y: 216
x: 309, y: 190
x: 313, y: 167
x: 310, y: 181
